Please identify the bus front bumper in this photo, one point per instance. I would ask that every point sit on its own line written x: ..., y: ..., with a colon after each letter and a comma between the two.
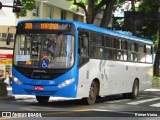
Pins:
x: 67, y: 91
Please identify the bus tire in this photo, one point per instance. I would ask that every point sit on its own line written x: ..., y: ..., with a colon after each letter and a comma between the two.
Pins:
x: 91, y: 99
x: 135, y: 90
x: 42, y: 99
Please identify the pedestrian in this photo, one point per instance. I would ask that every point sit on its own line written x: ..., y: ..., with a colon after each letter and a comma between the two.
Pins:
x: 7, y: 78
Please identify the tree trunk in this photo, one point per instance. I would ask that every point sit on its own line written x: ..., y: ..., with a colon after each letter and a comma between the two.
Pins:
x: 157, y: 59
x: 133, y: 5
x: 107, y: 14
x: 90, y: 16
x: 156, y: 63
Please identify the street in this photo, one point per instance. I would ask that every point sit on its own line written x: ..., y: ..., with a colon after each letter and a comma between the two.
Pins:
x: 146, y: 105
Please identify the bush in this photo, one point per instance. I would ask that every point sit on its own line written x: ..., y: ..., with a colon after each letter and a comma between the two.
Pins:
x: 156, y: 78
x: 156, y: 81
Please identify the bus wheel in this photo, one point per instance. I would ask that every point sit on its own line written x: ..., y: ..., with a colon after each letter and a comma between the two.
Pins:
x: 135, y: 90
x: 42, y: 99
x: 92, y: 95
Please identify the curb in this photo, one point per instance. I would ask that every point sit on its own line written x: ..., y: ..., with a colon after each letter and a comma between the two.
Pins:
x: 8, y: 97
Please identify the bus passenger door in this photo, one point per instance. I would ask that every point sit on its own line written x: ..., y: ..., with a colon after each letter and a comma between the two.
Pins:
x: 83, y: 51
x: 83, y: 57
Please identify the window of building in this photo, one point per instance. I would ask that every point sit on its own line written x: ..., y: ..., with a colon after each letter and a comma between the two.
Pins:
x: 4, y: 35
x: 75, y: 17
x: 63, y: 14
x: 49, y: 11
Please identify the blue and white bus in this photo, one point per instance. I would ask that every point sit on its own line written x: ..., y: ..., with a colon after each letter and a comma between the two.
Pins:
x: 76, y: 60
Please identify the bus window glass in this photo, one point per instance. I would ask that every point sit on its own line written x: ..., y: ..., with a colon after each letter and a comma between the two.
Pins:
x: 56, y: 50
x: 106, y: 53
x: 148, y: 53
x: 97, y: 39
x: 96, y: 52
x: 114, y: 40
x: 132, y: 55
x: 130, y: 46
x: 22, y: 44
x: 120, y: 52
x: 83, y: 51
x: 124, y: 45
x: 141, y: 54
x: 108, y: 41
x: 118, y: 43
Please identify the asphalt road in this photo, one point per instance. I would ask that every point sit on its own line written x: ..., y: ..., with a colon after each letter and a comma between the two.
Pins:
x: 147, y: 106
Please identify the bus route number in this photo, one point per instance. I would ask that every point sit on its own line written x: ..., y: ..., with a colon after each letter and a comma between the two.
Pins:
x: 28, y: 26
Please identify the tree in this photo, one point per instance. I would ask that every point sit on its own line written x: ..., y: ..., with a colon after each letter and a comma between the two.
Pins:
x: 28, y: 5
x: 150, y: 27
x: 93, y: 7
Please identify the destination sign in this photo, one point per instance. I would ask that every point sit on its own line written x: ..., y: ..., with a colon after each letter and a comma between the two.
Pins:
x: 45, y: 26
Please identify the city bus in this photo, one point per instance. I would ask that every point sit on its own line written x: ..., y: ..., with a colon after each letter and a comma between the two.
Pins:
x: 64, y: 58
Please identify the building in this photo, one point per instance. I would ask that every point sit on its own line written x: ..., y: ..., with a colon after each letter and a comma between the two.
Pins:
x: 44, y: 9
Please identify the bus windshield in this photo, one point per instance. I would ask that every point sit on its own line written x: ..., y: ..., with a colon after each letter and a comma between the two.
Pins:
x: 47, y: 51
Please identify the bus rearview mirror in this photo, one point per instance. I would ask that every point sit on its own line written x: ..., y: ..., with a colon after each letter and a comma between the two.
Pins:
x: 8, y: 39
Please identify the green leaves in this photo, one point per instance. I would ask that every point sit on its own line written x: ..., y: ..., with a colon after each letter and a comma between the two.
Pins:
x: 28, y: 5
x: 150, y: 8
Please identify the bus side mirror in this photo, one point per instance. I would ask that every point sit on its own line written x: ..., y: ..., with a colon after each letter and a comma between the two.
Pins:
x: 9, y: 35
x: 85, y: 41
x: 8, y: 39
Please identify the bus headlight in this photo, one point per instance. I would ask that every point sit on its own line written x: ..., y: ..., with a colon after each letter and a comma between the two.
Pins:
x: 66, y: 82
x: 16, y: 80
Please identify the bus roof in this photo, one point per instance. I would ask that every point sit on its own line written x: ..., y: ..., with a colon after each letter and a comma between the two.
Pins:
x: 96, y: 29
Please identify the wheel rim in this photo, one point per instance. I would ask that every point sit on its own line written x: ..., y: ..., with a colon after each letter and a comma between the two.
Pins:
x: 92, y: 94
x: 136, y: 90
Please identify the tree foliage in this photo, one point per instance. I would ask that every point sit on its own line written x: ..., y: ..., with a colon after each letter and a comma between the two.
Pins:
x: 28, y: 5
x: 93, y: 7
x: 150, y: 9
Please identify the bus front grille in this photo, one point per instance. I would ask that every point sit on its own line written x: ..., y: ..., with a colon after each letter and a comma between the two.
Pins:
x: 43, y: 76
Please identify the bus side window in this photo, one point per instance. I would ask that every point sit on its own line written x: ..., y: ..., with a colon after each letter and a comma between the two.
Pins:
x: 83, y: 44
x: 149, y: 53
x: 83, y: 40
x: 107, y: 45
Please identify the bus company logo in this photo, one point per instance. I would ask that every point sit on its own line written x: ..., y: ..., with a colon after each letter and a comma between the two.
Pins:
x: 39, y: 71
x: 103, y: 70
x: 6, y: 114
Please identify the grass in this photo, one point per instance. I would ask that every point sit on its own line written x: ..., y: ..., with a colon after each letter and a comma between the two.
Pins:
x: 156, y: 81
x: 156, y: 78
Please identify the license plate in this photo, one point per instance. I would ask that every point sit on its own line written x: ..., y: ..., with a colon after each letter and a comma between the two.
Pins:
x: 38, y: 87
